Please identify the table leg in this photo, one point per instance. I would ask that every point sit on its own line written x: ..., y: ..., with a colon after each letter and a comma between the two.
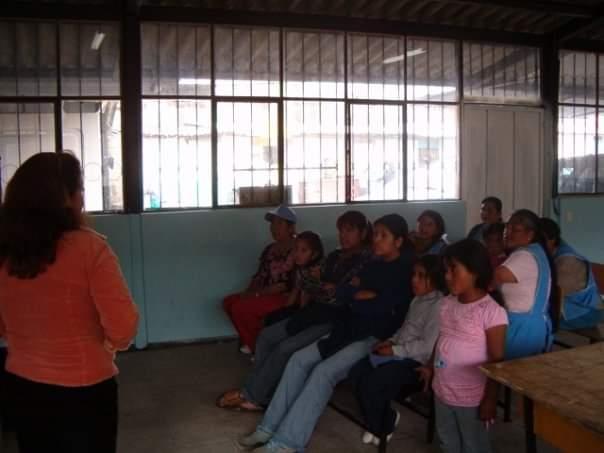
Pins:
x: 529, y: 423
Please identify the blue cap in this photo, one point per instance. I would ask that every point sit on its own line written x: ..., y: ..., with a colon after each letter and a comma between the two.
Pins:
x: 283, y: 212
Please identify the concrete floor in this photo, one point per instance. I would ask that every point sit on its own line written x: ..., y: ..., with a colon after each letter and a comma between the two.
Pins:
x: 167, y: 406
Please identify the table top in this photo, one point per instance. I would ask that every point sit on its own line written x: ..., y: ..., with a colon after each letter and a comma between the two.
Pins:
x: 570, y: 382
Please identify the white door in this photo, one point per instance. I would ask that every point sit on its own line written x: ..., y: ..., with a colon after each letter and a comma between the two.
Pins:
x: 502, y: 156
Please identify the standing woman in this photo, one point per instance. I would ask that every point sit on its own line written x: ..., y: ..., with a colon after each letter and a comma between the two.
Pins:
x: 525, y: 280
x: 65, y: 310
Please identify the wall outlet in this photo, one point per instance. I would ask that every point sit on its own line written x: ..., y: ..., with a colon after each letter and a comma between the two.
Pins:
x: 569, y: 216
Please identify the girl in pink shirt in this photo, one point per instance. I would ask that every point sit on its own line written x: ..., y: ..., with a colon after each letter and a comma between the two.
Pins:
x: 472, y: 333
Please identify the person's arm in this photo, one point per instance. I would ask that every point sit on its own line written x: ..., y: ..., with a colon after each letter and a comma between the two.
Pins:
x: 496, y: 351
x: 426, y: 371
x: 117, y: 312
x: 504, y: 275
x: 294, y: 297
x: 424, y: 344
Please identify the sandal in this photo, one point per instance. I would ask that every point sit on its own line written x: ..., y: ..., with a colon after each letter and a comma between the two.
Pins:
x: 233, y: 400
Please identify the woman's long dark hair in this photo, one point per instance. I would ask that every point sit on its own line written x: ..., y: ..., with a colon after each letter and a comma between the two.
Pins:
x: 532, y: 222
x: 35, y: 214
x: 474, y: 257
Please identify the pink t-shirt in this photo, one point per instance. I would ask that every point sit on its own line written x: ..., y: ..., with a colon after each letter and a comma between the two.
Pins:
x: 462, y: 347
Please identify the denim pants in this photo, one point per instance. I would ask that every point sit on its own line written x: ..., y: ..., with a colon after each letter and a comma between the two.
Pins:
x: 305, y: 389
x: 274, y: 348
x: 460, y: 429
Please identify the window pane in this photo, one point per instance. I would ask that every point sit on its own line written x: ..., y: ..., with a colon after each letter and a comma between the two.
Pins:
x: 576, y: 149
x: 577, y: 77
x: 248, y: 158
x: 247, y: 61
x: 497, y: 72
x: 25, y: 129
x: 376, y: 67
x: 90, y: 59
x: 315, y: 152
x: 314, y: 64
x: 92, y: 131
x: 432, y: 73
x: 176, y: 59
x: 177, y: 153
x: 377, y: 152
x: 28, y: 59
x: 432, y: 152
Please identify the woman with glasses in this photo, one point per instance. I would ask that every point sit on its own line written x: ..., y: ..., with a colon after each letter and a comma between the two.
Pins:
x: 525, y: 282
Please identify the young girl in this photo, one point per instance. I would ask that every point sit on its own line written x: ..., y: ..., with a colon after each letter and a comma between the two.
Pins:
x: 390, y: 368
x: 381, y: 297
x: 308, y: 259
x: 268, y: 289
x: 430, y: 237
x: 472, y: 333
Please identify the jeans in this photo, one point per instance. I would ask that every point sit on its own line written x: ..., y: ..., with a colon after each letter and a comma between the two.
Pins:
x: 460, y: 429
x: 377, y: 387
x: 274, y: 348
x: 304, y: 391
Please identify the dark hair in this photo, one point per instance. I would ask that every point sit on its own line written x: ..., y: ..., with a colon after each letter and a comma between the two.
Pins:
x: 495, y: 202
x: 437, y: 219
x: 34, y: 214
x: 435, y: 271
x: 314, y: 242
x: 357, y: 219
x: 474, y: 257
x: 397, y: 225
x: 550, y: 230
x: 493, y: 229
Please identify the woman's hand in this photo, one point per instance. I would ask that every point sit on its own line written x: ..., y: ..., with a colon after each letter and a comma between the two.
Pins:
x: 425, y: 375
x: 328, y: 286
x: 356, y: 282
x: 385, y: 350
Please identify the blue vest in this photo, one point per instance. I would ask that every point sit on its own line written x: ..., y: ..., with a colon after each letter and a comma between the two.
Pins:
x: 531, y: 333
x: 583, y: 304
x: 437, y: 247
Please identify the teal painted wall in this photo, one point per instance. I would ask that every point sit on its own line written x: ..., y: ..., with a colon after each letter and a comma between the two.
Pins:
x: 582, y: 224
x: 180, y: 265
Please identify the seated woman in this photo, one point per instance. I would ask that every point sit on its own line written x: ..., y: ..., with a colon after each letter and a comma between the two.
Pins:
x: 391, y: 367
x: 277, y: 343
x: 430, y: 238
x: 377, y: 302
x: 269, y: 288
x: 525, y: 282
x: 490, y: 213
x: 575, y: 279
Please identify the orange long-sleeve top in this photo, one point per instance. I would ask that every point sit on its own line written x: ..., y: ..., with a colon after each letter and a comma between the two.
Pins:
x: 63, y: 326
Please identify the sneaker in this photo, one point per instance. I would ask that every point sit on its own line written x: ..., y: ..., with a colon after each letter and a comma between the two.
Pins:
x: 245, y: 349
x: 253, y: 440
x: 397, y: 419
x: 368, y: 438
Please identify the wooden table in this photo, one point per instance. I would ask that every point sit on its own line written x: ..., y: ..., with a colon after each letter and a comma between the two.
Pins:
x: 564, y: 396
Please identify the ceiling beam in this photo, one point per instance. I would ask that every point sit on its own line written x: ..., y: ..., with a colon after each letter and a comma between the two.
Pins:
x: 322, y: 22
x: 559, y: 8
x: 575, y: 27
